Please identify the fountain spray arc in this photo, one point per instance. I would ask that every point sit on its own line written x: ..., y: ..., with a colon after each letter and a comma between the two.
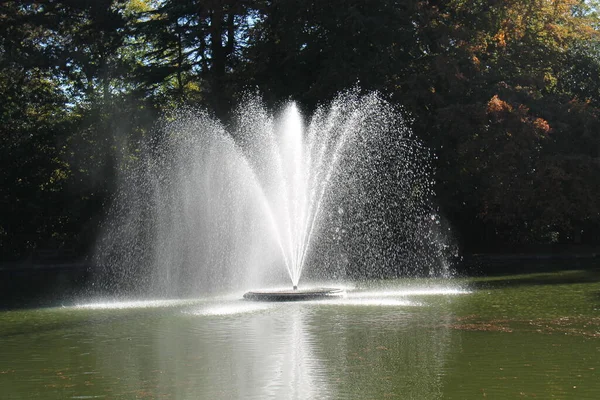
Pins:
x: 298, y: 167
x: 299, y: 173
x: 204, y: 207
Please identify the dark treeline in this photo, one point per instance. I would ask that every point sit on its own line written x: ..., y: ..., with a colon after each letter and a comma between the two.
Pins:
x: 505, y: 93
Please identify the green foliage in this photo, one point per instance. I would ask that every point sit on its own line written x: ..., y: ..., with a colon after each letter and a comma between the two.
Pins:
x: 506, y: 93
x: 502, y: 174
x: 311, y: 50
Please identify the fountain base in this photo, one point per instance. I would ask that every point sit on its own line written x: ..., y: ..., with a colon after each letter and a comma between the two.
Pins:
x: 293, y: 295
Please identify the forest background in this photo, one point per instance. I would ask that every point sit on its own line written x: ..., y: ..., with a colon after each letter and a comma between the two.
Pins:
x: 506, y: 94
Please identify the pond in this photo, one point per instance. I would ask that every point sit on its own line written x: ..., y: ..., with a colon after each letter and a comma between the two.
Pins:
x: 525, y: 336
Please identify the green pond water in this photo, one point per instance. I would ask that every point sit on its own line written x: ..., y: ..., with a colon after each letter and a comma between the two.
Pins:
x: 526, y: 336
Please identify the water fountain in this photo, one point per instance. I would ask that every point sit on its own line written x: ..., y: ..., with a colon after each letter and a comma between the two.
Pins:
x: 293, y: 295
x: 206, y: 207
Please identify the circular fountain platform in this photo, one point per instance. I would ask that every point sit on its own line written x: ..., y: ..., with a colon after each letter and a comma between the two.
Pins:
x: 293, y: 295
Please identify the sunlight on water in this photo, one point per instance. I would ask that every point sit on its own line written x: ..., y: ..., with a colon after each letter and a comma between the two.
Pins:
x: 373, y: 301
x: 117, y: 305
x: 417, y: 291
x: 232, y: 303
x: 238, y: 307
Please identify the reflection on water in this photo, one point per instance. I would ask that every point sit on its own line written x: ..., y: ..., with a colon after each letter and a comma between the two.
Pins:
x: 387, y: 342
x: 360, y: 346
x: 374, y: 301
x: 230, y: 308
x: 246, y: 350
x: 231, y: 350
x: 389, y: 354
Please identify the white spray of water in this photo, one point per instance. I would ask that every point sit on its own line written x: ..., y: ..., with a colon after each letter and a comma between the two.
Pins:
x: 207, y: 208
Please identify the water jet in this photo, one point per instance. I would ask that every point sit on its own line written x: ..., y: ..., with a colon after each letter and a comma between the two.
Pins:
x: 206, y: 207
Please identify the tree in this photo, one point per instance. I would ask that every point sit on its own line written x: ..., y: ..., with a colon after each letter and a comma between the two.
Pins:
x: 311, y: 50
x: 193, y: 47
x: 33, y: 126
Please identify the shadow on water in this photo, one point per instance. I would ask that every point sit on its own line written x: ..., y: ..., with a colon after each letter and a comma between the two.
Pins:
x: 557, y: 277
x: 34, y: 302
x: 475, y: 265
x: 33, y: 286
x: 38, y: 328
x: 27, y: 321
